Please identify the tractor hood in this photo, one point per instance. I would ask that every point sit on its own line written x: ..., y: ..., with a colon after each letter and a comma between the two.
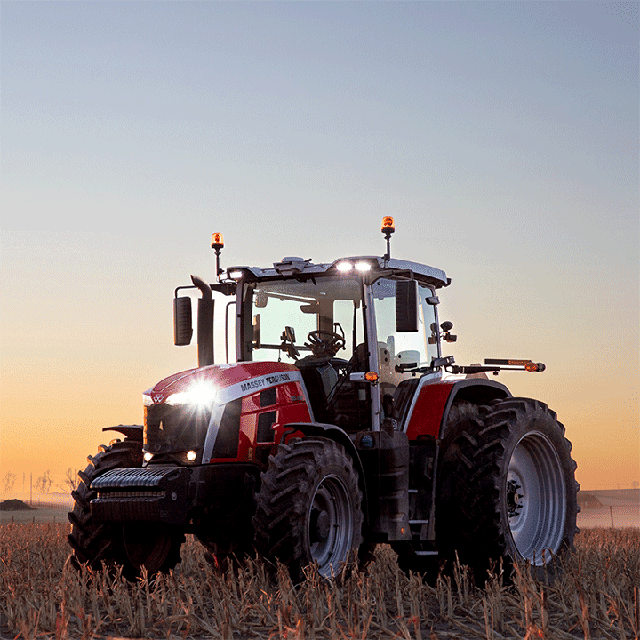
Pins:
x: 220, y: 384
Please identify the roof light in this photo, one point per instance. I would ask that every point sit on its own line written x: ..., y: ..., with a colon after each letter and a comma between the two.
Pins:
x: 235, y: 275
x: 217, y: 241
x: 191, y: 456
x: 388, y: 225
x: 344, y: 267
x: 363, y: 266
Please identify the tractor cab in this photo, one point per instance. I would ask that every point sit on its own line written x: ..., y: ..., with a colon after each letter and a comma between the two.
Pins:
x: 358, y: 329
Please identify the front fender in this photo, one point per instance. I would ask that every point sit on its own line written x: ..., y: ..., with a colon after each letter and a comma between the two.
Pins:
x: 129, y: 431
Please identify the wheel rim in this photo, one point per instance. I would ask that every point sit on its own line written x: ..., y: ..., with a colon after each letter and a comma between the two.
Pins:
x: 536, y: 499
x: 331, y: 524
x: 146, y: 546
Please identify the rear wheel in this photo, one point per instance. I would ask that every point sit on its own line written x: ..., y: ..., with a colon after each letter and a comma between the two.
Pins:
x: 309, y: 507
x: 506, y: 487
x: 132, y: 545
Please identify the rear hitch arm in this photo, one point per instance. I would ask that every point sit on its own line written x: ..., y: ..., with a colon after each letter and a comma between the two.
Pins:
x: 495, y: 365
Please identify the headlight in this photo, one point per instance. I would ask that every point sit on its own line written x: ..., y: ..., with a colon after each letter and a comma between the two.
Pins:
x: 200, y: 394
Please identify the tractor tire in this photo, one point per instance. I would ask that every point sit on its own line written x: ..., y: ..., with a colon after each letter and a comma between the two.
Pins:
x: 507, y: 491
x: 309, y: 508
x: 132, y: 545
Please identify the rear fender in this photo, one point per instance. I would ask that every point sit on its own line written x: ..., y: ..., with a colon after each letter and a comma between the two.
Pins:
x: 474, y: 391
x: 432, y: 401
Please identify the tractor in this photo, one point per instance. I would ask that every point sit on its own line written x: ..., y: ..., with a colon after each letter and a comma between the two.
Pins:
x: 329, y: 422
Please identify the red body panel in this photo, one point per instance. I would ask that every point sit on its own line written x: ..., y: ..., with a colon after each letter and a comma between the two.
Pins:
x: 246, y: 380
x: 222, y: 376
x: 291, y: 406
x: 426, y: 417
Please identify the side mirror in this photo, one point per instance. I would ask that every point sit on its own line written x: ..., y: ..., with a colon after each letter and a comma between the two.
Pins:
x: 182, y: 322
x: 407, y: 306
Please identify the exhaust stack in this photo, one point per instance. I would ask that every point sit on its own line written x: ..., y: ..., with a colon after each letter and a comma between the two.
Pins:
x: 205, y: 323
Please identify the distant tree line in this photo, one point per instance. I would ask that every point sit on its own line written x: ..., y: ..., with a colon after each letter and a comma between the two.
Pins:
x: 43, y: 483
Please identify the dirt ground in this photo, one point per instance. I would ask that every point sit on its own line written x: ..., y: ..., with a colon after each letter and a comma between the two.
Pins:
x: 34, y: 516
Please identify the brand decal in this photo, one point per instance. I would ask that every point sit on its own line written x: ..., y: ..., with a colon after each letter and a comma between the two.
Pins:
x: 157, y: 397
x: 265, y: 381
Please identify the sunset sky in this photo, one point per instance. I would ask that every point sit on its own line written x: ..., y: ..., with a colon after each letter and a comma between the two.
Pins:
x: 502, y: 136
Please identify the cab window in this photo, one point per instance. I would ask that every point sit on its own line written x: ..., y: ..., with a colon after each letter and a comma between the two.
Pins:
x: 400, y: 352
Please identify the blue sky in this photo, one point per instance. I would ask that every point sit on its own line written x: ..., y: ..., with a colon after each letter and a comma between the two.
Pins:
x: 503, y: 137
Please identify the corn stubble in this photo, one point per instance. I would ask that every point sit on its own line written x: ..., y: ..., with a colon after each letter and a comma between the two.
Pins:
x: 41, y: 596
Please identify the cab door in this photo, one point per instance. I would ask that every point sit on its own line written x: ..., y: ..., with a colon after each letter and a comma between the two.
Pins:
x: 397, y: 353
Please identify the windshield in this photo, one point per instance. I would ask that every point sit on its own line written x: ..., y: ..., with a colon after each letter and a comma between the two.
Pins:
x: 316, y: 317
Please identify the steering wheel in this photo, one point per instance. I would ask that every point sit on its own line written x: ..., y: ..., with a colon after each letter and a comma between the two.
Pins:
x: 325, y: 343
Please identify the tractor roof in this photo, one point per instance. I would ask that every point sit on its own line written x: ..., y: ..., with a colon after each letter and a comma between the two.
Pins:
x: 297, y: 267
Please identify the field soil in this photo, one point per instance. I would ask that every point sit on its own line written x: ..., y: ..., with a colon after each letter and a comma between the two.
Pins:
x: 14, y: 505
x: 36, y: 515
x: 42, y: 596
x: 609, y: 508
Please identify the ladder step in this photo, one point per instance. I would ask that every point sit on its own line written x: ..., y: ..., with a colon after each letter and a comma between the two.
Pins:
x: 413, y: 491
x: 418, y: 522
x: 426, y: 553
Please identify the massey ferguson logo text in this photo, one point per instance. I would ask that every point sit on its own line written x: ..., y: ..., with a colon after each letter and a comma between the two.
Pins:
x: 266, y: 381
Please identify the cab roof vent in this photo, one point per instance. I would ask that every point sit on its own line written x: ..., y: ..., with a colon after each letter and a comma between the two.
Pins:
x: 291, y: 265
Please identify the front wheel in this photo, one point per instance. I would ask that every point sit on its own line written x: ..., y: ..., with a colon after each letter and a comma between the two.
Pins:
x: 506, y: 487
x: 309, y: 507
x: 132, y: 545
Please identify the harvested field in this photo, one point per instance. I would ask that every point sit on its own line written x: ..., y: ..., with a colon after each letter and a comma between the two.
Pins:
x: 40, y: 597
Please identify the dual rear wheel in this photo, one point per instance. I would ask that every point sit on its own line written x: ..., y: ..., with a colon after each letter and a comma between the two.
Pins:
x: 507, y: 487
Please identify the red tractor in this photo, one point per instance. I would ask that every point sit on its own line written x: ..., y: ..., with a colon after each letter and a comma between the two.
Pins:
x: 334, y: 423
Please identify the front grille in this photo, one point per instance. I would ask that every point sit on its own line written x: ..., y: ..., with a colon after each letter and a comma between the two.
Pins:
x: 109, y: 495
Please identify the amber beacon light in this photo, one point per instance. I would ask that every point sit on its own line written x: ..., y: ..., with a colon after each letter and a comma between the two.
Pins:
x: 388, y: 226
x: 217, y: 241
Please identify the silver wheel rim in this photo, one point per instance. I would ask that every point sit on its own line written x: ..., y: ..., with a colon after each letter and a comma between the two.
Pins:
x: 331, y: 524
x: 536, y: 499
